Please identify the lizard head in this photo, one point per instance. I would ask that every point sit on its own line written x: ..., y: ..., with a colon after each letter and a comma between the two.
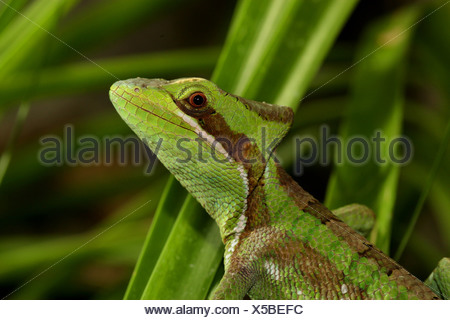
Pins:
x: 216, y: 144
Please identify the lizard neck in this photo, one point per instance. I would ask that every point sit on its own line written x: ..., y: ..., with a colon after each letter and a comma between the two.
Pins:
x: 257, y: 208
x: 231, y: 213
x: 268, y: 204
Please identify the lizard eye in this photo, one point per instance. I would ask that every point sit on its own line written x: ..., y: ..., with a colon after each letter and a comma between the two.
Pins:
x: 197, y: 100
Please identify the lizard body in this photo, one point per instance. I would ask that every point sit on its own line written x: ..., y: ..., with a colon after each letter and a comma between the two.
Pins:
x: 280, y: 242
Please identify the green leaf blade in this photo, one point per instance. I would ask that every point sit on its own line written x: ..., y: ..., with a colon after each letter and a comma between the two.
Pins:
x: 376, y: 105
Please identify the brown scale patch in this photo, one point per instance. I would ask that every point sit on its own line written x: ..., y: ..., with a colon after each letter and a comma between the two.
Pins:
x: 317, y: 271
x: 257, y: 211
x: 355, y: 241
x: 237, y: 144
x: 322, y: 274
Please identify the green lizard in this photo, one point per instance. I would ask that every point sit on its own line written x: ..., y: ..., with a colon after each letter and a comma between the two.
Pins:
x: 280, y: 242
